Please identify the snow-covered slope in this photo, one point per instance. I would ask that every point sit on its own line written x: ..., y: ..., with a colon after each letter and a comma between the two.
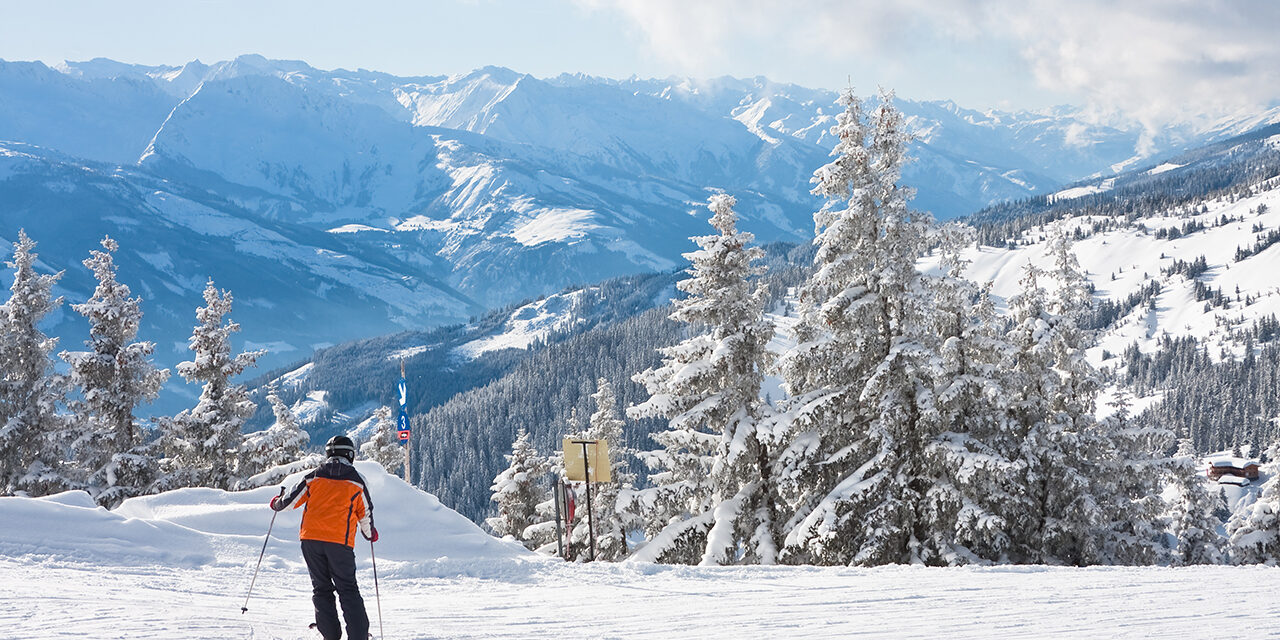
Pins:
x: 621, y: 129
x: 1121, y: 262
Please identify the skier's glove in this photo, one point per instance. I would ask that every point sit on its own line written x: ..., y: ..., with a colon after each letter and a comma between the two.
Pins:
x: 275, y: 504
x: 374, y: 537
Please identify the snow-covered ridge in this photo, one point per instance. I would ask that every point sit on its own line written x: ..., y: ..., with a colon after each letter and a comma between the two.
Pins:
x: 311, y: 407
x: 1087, y: 190
x: 1167, y: 166
x: 356, y: 228
x: 295, y: 378
x: 531, y: 323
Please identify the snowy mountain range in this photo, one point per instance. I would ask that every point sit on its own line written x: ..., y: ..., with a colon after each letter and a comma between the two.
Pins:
x: 338, y: 204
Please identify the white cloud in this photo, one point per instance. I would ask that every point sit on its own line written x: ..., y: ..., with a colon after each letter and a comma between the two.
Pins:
x: 1159, y: 60
x: 703, y: 33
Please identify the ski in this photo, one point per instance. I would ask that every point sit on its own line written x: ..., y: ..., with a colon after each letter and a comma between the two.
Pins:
x: 316, y: 632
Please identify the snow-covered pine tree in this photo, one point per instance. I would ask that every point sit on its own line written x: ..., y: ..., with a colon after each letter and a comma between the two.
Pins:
x: 1191, y: 515
x: 113, y: 377
x: 1029, y: 382
x: 972, y: 456
x: 31, y: 429
x: 1052, y: 391
x: 518, y: 490
x: 714, y: 467
x: 384, y: 445
x: 853, y: 465
x: 1089, y: 474
x: 1254, y: 528
x: 269, y: 455
x: 680, y: 495
x: 202, y: 444
x: 613, y: 518
x: 1131, y: 478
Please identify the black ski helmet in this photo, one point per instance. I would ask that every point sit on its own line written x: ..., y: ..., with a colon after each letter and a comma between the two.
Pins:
x: 340, y: 446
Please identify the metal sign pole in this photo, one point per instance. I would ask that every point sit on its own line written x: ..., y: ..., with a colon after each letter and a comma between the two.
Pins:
x: 404, y: 421
x: 557, y: 491
x: 586, y: 467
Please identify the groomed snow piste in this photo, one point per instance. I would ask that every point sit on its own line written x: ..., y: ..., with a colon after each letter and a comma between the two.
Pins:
x: 178, y: 565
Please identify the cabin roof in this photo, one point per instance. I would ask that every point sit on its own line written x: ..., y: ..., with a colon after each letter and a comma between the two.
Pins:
x: 1231, y: 461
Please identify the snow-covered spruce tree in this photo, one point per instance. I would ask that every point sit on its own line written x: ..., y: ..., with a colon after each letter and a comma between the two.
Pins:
x: 681, y: 495
x: 1052, y: 391
x: 1030, y: 381
x: 113, y: 377
x: 613, y: 518
x: 31, y: 429
x: 972, y: 454
x: 268, y: 456
x: 1131, y: 478
x: 202, y: 444
x: 1191, y: 515
x: 1074, y: 514
x: 854, y: 456
x: 1113, y: 514
x: 712, y: 478
x: 384, y: 446
x: 1254, y: 528
x: 518, y: 490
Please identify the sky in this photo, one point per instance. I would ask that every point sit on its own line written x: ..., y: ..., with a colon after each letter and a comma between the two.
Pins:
x: 1154, y: 60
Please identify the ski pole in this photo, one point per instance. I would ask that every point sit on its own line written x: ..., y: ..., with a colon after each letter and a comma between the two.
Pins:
x: 260, y: 555
x: 377, y: 596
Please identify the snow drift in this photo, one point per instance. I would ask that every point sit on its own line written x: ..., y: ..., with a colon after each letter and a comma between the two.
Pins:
x: 198, y: 527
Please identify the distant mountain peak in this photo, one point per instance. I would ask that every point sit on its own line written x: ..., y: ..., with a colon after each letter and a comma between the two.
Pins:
x: 495, y: 73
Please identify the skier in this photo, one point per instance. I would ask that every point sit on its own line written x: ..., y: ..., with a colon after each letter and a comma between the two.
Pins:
x: 337, y: 502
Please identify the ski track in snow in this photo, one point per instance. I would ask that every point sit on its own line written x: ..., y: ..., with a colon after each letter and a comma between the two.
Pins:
x: 532, y: 599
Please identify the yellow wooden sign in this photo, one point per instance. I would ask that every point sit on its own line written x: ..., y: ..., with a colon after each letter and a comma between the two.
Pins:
x: 597, y: 455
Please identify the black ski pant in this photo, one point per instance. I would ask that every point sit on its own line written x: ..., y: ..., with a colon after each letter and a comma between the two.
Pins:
x: 333, y: 568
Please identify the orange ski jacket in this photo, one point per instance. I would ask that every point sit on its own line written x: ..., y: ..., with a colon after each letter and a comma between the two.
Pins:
x: 336, y: 502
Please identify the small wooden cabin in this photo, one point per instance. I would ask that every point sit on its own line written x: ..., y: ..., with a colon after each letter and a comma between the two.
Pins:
x: 1238, y: 467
